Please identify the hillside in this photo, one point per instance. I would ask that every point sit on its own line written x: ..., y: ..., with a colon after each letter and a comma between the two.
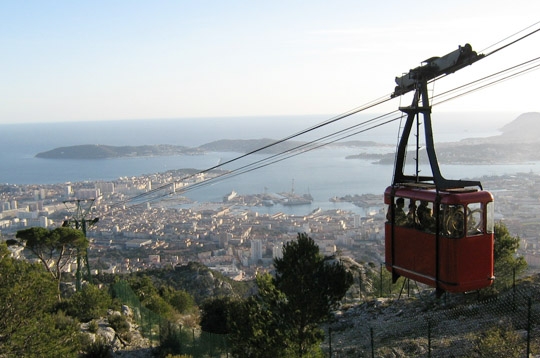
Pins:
x: 456, y: 325
x: 412, y: 322
x: 199, y: 281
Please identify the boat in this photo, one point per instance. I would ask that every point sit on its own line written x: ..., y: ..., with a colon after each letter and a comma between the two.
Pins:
x: 293, y: 200
x: 230, y: 196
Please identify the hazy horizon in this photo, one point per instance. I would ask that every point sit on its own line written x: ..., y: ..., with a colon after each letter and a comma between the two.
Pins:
x: 79, y: 61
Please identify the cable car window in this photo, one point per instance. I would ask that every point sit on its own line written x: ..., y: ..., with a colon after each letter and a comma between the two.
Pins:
x: 400, y: 218
x: 474, y: 219
x: 412, y: 217
x: 425, y: 216
x: 452, y: 220
x: 490, y: 220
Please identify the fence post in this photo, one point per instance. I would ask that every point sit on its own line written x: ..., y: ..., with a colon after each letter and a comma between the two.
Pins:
x: 381, y: 279
x: 330, y: 341
x: 528, y: 327
x: 372, y: 343
x: 429, y: 337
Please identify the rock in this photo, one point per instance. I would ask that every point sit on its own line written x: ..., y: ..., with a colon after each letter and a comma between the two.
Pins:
x: 130, y: 344
x: 126, y: 311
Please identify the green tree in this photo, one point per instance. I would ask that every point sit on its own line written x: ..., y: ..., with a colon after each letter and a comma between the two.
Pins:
x: 283, y: 319
x: 258, y: 326
x: 143, y: 286
x: 149, y: 296
x: 89, y: 303
x: 507, y: 264
x: 54, y: 248
x: 215, y: 315
x: 181, y: 300
x: 313, y: 284
x: 157, y: 304
x: 28, y: 325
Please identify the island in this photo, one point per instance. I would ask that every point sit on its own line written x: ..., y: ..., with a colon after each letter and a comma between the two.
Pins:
x: 96, y: 151
x: 261, y: 146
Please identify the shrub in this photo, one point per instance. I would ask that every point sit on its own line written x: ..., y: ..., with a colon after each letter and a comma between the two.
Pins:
x: 499, y: 342
x: 93, y: 326
x: 100, y: 348
x: 119, y: 323
x: 89, y: 303
x: 171, y: 341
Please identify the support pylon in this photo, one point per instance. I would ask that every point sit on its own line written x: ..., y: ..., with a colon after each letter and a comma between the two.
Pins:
x: 78, y: 221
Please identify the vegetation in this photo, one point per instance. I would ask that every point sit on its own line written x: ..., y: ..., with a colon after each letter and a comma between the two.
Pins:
x: 507, y: 265
x: 215, y: 315
x: 29, y: 325
x: 160, y: 298
x: 498, y: 342
x: 172, y: 341
x: 100, y: 348
x: 283, y: 319
x: 54, y: 248
x: 180, y: 300
x: 313, y: 286
x: 88, y: 303
x: 119, y: 323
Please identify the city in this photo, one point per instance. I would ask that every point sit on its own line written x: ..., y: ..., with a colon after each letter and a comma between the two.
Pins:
x: 232, y: 236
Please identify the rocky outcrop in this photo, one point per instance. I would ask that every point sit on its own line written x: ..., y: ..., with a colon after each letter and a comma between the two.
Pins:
x: 127, y: 342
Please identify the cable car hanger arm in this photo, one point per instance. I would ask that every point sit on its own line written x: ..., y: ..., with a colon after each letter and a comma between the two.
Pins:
x: 417, y: 80
x: 436, y: 66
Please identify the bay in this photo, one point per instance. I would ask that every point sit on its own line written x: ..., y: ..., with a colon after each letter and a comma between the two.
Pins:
x: 324, y: 173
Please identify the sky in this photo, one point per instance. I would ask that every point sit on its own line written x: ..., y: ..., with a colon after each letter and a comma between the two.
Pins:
x: 112, y: 60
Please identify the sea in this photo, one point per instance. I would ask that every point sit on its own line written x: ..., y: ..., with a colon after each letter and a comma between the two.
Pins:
x: 324, y: 173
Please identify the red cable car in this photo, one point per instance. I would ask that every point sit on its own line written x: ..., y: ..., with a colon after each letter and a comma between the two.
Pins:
x: 438, y: 231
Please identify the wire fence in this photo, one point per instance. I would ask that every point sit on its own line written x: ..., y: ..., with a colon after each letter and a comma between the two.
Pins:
x: 418, y: 325
x: 504, y: 326
x: 167, y: 336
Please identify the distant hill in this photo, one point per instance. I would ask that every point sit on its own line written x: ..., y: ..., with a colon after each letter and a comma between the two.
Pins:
x: 96, y: 151
x: 525, y: 128
x: 518, y: 143
x: 249, y: 145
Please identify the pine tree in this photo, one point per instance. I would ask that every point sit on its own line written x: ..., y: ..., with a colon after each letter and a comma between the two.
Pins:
x: 283, y: 319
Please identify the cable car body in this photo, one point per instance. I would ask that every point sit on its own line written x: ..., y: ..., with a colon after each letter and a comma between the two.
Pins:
x: 452, y: 250
x: 448, y: 246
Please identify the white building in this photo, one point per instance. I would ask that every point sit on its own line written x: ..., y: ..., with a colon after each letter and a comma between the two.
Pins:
x: 137, y: 243
x: 277, y: 251
x: 105, y: 187
x: 256, y: 250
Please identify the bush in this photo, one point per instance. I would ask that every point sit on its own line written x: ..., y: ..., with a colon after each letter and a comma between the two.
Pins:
x: 499, y: 342
x: 93, y: 326
x: 171, y: 341
x: 119, y: 323
x: 64, y: 323
x: 182, y: 301
x: 89, y: 303
x: 100, y: 348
